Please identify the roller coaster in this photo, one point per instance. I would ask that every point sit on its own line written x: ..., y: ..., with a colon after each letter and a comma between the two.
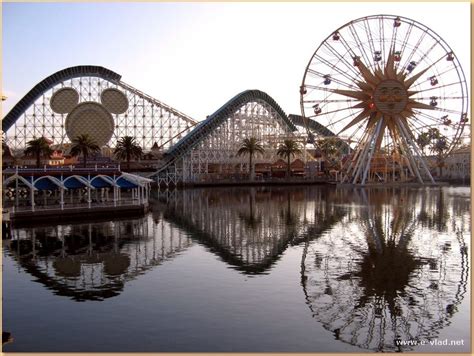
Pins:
x: 74, y: 100
x: 370, y: 107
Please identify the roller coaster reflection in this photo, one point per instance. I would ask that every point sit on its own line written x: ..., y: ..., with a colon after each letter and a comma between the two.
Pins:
x: 94, y: 261
x: 250, y: 228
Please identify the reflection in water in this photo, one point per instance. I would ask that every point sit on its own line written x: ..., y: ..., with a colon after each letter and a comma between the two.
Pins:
x: 249, y: 228
x: 93, y: 262
x: 393, y: 269
x: 377, y: 266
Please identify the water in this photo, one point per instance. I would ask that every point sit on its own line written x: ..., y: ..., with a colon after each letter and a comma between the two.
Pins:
x: 293, y: 269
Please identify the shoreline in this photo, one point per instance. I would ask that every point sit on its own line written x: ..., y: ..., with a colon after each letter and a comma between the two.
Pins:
x: 48, y: 217
x: 308, y: 182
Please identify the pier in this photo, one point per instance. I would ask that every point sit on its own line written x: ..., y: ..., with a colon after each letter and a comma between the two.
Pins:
x: 32, y: 195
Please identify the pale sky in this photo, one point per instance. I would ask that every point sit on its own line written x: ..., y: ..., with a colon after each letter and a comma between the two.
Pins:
x: 196, y: 56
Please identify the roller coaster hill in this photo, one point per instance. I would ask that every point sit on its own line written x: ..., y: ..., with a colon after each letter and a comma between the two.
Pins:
x: 94, y: 101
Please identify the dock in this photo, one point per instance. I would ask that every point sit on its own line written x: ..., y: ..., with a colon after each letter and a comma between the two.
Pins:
x: 74, y: 214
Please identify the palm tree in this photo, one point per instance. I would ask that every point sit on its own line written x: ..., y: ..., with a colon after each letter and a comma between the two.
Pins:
x: 329, y: 146
x: 85, y: 145
x: 423, y: 140
x: 38, y: 147
x: 440, y: 146
x: 127, y: 148
x: 330, y: 149
x: 250, y: 146
x: 288, y: 149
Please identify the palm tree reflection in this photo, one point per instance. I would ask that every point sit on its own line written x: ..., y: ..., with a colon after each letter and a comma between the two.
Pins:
x: 384, y: 275
x: 250, y: 218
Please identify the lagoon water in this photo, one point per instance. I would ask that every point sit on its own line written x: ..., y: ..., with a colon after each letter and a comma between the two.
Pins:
x: 262, y: 269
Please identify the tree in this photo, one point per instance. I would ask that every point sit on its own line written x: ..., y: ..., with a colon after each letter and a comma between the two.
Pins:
x: 85, y: 145
x: 127, y: 148
x: 434, y: 133
x: 330, y: 149
x: 329, y: 146
x: 440, y: 146
x: 423, y: 140
x: 37, y: 148
x: 288, y: 149
x: 250, y: 146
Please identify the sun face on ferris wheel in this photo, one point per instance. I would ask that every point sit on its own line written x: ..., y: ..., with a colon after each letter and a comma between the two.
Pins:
x: 386, y: 80
x: 384, y: 97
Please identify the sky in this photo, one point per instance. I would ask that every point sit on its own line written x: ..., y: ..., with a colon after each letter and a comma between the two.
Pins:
x: 196, y: 56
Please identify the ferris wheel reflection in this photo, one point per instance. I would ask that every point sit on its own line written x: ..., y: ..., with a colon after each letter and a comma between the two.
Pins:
x: 394, y: 269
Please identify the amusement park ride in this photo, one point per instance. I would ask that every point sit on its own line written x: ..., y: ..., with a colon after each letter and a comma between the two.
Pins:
x: 387, y: 90
x: 379, y: 83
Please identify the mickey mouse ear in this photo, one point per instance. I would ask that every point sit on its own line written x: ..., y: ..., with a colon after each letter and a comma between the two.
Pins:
x: 64, y: 100
x: 114, y: 100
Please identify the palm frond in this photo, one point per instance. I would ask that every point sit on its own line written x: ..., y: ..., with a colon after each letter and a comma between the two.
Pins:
x: 250, y: 146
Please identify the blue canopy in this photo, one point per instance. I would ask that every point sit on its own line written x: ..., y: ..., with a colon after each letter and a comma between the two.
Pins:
x: 100, y: 182
x: 73, y: 183
x: 45, y: 184
x: 123, y: 183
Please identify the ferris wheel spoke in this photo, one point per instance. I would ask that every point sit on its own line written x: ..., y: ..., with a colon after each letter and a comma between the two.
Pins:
x: 336, y: 80
x: 346, y: 46
x: 405, y: 42
x: 415, y: 77
x: 360, y: 128
x: 335, y: 123
x: 440, y: 97
x: 325, y: 91
x: 437, y: 120
x: 450, y: 111
x: 418, y: 126
x: 341, y: 58
x: 333, y: 67
x: 382, y: 38
x: 450, y: 69
x: 330, y: 101
x: 413, y: 51
x: 331, y: 112
x: 315, y: 87
x: 360, y: 45
x: 428, y: 51
x: 369, y: 35
x: 425, y: 115
x: 437, y: 87
x: 394, y: 39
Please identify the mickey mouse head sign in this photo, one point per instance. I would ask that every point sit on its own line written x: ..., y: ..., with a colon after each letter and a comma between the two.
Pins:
x: 89, y: 117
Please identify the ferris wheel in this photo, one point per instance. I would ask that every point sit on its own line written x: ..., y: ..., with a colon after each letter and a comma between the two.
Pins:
x: 387, y: 84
